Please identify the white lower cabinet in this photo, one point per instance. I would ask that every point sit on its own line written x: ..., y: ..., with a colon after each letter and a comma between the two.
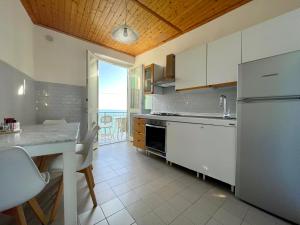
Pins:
x: 183, y: 140
x: 207, y: 149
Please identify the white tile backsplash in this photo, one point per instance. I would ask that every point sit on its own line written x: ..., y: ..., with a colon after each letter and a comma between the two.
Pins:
x: 196, y: 101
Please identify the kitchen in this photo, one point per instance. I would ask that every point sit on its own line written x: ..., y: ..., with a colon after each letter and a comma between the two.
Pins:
x: 211, y: 120
x: 207, y: 143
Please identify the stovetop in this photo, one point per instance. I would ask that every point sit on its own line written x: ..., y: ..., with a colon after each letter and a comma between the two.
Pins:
x: 164, y: 114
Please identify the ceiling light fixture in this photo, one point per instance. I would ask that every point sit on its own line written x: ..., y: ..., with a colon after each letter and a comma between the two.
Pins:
x: 124, y: 33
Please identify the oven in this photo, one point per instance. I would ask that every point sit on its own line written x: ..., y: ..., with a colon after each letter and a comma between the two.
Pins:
x: 156, y: 136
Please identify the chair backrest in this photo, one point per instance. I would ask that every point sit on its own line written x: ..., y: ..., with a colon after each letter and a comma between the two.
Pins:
x: 106, y: 119
x: 54, y: 122
x: 123, y: 125
x: 88, y: 145
x: 20, y: 180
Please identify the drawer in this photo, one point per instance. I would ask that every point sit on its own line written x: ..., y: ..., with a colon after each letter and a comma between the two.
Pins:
x: 139, y: 121
x: 139, y: 129
x: 139, y: 125
x: 139, y: 143
x: 138, y: 136
x: 139, y: 140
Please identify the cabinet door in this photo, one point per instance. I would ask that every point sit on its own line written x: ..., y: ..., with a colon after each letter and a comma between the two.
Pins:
x: 223, y: 57
x: 273, y: 37
x: 148, y: 79
x: 191, y: 68
x: 219, y: 153
x: 184, y: 142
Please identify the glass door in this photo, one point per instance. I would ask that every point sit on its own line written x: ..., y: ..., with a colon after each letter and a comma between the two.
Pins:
x: 135, y: 94
x: 92, y: 90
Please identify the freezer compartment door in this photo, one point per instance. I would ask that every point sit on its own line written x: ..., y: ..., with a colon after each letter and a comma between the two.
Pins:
x: 274, y: 76
x: 268, y: 156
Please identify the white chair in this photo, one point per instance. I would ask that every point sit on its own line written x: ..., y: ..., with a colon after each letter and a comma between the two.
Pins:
x: 84, y: 165
x: 41, y: 161
x: 106, y: 123
x: 21, y: 181
x: 55, y: 122
x: 79, y: 148
x: 121, y: 127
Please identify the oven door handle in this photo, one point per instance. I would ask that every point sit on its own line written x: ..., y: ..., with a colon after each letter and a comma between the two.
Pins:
x: 160, y: 127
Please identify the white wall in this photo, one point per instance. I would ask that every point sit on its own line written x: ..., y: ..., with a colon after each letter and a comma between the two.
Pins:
x: 16, y: 36
x: 238, y: 19
x: 64, y: 59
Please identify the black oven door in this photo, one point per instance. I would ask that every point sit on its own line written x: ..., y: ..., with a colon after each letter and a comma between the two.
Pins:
x: 155, y: 138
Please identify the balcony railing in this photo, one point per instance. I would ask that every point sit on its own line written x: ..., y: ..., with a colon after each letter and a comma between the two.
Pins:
x: 113, y: 127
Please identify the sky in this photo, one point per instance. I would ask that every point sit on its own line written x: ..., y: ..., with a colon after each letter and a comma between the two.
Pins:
x: 112, y: 87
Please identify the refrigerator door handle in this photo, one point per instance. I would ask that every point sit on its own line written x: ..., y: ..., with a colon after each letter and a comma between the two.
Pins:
x: 270, y: 75
x: 271, y: 98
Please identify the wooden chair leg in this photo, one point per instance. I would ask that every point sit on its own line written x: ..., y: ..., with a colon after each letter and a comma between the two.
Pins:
x: 89, y: 179
x: 92, y: 177
x: 43, y: 163
x: 38, y: 211
x: 20, y: 216
x: 57, y: 201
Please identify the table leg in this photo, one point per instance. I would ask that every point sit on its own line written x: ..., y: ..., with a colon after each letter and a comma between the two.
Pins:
x: 70, y: 188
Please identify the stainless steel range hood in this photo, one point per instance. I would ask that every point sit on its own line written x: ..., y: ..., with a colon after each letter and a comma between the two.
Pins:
x: 168, y: 79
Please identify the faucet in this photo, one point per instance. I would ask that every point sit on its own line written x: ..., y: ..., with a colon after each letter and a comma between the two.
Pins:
x: 223, y: 103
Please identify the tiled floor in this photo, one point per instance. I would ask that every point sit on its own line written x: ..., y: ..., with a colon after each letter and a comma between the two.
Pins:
x: 132, y: 188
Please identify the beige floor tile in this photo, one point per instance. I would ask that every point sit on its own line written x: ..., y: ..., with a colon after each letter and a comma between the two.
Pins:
x: 180, y: 203
x: 121, y: 189
x: 167, y: 213
x: 91, y: 217
x: 257, y: 217
x: 103, y: 222
x: 120, y: 218
x: 112, y: 207
x: 217, y: 196
x: 105, y: 195
x: 129, y: 198
x: 100, y: 187
x: 212, y: 221
x: 226, y: 218
x: 139, y: 209
x: 149, y: 219
x: 235, y: 207
x: 181, y: 220
x: 198, y: 215
x: 153, y: 200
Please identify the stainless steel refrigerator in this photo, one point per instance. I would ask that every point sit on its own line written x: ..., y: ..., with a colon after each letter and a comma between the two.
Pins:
x: 268, y: 133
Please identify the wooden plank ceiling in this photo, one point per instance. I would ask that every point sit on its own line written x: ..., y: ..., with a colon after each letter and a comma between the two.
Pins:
x: 156, y: 21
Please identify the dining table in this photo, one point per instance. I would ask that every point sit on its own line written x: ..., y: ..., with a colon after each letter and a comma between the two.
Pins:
x: 43, y: 140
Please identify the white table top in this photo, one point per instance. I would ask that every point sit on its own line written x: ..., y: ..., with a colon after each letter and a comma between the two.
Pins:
x: 40, y: 134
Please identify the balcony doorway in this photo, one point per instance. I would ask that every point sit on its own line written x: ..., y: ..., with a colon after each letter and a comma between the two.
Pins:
x: 112, y: 103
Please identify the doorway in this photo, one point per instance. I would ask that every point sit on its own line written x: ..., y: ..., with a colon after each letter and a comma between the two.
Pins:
x: 112, y: 102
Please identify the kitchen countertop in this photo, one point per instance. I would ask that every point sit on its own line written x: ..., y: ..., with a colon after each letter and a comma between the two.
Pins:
x: 193, y: 118
x: 40, y: 134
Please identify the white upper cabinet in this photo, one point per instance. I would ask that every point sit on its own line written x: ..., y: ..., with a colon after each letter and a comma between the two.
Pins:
x: 276, y: 36
x: 223, y: 57
x: 191, y: 68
